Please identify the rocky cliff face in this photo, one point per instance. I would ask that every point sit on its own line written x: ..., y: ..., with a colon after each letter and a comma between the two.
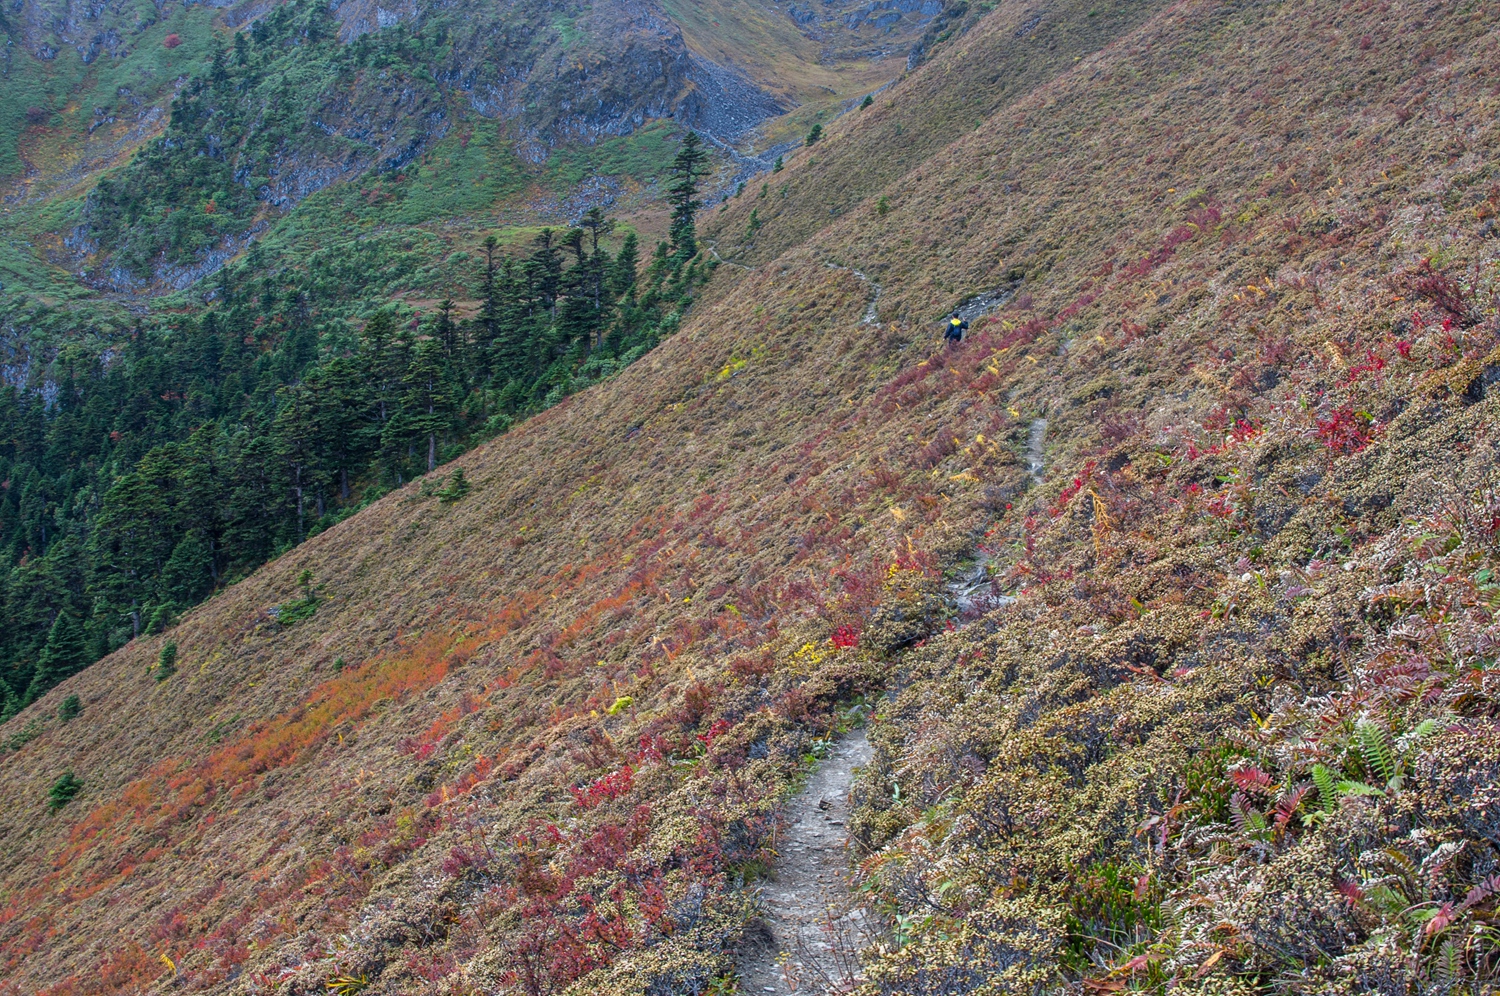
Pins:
x: 372, y: 86
x: 603, y: 72
x: 44, y: 28
x: 306, y: 97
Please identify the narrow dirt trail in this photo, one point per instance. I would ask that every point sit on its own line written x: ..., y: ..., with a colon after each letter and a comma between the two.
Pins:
x: 1036, y: 457
x: 816, y: 930
x: 872, y: 315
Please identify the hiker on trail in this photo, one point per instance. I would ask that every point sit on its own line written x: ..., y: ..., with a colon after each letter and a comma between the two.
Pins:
x: 956, y: 328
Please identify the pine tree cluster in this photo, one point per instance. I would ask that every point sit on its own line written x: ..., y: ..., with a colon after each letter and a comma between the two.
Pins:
x: 140, y: 478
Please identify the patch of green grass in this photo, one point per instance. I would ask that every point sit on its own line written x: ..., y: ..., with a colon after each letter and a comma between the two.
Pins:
x: 30, y: 732
x: 216, y: 732
x: 22, y: 272
x: 470, y: 170
x: 643, y: 155
x: 291, y: 613
x: 70, y: 90
x: 567, y: 30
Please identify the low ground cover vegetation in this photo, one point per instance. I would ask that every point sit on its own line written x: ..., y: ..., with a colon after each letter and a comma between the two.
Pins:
x: 1224, y: 433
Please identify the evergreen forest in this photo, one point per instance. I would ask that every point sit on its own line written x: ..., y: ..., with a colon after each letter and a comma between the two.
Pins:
x: 139, y: 478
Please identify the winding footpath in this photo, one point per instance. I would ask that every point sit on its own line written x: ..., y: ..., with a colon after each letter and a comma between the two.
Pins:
x: 816, y: 929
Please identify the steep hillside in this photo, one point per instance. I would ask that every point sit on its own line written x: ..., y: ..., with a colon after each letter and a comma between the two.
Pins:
x: 973, y: 74
x: 306, y: 169
x: 1232, y: 729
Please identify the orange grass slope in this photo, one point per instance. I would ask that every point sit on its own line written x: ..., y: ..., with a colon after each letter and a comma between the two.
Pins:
x: 569, y: 700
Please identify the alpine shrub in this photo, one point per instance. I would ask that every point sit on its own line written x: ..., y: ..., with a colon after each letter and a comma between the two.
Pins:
x: 166, y: 662
x: 303, y: 608
x: 455, y: 489
x: 63, y: 790
x: 70, y: 708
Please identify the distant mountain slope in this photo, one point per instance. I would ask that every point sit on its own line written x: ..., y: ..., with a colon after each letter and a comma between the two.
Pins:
x: 1008, y: 55
x: 1236, y: 734
x: 301, y: 96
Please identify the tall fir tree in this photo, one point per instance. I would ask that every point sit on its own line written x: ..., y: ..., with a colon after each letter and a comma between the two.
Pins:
x: 427, y: 404
x: 622, y: 271
x: 682, y: 194
x: 64, y: 655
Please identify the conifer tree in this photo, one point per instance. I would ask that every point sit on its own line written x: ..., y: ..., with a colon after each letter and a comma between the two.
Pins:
x: 188, y: 574
x: 427, y: 404
x: 64, y: 654
x: 491, y: 304
x: 131, y: 541
x: 297, y: 437
x: 341, y: 409
x: 446, y: 332
x: 511, y: 348
x: 623, y: 270
x: 578, y: 312
x: 384, y: 360
x: 689, y: 166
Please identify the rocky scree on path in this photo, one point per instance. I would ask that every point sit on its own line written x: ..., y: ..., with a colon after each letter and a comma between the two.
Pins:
x: 1036, y: 458
x: 813, y: 929
x: 974, y: 592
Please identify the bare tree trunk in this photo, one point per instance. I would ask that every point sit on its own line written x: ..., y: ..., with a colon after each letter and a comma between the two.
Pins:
x: 431, y: 452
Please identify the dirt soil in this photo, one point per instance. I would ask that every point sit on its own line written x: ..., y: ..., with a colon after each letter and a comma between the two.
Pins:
x: 815, y: 930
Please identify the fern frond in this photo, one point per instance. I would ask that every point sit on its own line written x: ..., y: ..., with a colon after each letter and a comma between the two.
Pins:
x: 1446, y: 967
x: 1423, y: 729
x: 1481, y: 892
x: 1327, y: 783
x: 1253, y: 779
x: 1246, y: 817
x: 1286, y: 806
x: 1358, y: 788
x: 1402, y: 864
x: 1379, y: 754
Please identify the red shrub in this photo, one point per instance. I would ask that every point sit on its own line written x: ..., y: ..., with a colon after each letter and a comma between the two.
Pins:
x: 696, y: 703
x: 1435, y: 287
x: 1347, y: 431
x: 748, y: 668
x: 936, y: 451
x: 610, y: 786
x: 171, y: 41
